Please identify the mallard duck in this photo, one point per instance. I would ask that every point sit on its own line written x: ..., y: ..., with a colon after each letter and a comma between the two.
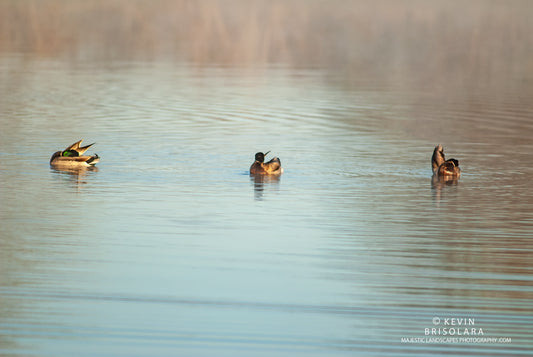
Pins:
x: 260, y: 167
x: 72, y: 156
x: 442, y: 167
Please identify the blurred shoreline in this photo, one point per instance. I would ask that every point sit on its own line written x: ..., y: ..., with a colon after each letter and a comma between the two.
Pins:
x: 433, y: 40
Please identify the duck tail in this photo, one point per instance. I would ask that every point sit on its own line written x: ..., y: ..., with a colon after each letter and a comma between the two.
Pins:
x: 93, y: 159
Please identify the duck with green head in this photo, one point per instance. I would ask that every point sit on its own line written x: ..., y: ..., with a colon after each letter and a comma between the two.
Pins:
x: 260, y: 167
x: 72, y: 156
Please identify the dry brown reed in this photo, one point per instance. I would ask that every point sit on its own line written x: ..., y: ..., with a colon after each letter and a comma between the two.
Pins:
x: 453, y: 36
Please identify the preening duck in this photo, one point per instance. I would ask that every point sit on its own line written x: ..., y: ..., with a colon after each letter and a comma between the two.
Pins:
x: 260, y: 167
x: 442, y: 167
x: 72, y: 156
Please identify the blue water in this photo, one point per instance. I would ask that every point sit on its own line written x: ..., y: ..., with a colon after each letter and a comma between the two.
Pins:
x: 169, y: 247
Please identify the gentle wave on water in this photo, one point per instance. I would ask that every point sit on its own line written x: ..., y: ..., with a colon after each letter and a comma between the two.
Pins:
x: 178, y: 320
x: 169, y: 246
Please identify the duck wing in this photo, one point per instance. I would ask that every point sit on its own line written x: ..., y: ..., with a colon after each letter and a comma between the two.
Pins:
x: 82, y: 149
x: 76, y: 148
x: 274, y: 165
x: 438, y: 158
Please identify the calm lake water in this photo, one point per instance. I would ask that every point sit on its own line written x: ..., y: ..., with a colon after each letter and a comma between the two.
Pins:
x: 169, y: 248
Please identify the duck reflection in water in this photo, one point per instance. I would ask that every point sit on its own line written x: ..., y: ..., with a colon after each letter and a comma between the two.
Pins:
x: 263, y: 182
x: 75, y: 174
x: 264, y: 173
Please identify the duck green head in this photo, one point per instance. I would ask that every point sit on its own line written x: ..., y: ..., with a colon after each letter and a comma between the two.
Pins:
x: 70, y: 153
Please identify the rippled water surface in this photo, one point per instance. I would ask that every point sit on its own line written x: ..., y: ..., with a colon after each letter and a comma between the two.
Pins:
x: 169, y: 247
